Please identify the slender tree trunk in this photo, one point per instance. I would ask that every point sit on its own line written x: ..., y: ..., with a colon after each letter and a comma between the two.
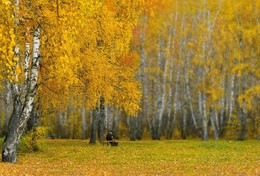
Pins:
x: 84, y: 123
x: 26, y: 65
x: 188, y: 94
x: 213, y: 123
x: 144, y: 80
x: 169, y: 129
x: 242, y: 115
x: 116, y: 124
x: 139, y: 126
x: 109, y: 117
x: 106, y: 120
x: 101, y: 120
x: 222, y: 107
x: 65, y: 131
x: 204, y: 58
x: 33, y: 120
x: 241, y: 109
x: 176, y: 103
x: 132, y: 128
x: 217, y: 121
x: 231, y: 98
x: 93, y: 129
x: 84, y: 115
x: 97, y: 126
x: 74, y: 125
x: 56, y: 124
x: 204, y: 118
x: 60, y: 132
x: 169, y: 104
x: 200, y: 104
x: 159, y: 98
x: 184, y: 121
x: 153, y: 109
x: 243, y: 121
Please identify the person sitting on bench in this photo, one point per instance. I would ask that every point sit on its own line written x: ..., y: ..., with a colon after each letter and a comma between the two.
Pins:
x: 110, y: 139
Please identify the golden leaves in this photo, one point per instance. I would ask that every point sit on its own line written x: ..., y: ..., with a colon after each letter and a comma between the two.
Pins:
x: 131, y: 60
x: 6, y: 2
x: 249, y: 96
x: 87, y: 44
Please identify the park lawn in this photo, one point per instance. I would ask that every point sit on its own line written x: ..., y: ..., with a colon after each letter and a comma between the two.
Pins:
x: 77, y: 157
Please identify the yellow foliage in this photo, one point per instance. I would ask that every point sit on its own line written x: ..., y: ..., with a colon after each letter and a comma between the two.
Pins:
x: 249, y: 96
x: 89, y: 45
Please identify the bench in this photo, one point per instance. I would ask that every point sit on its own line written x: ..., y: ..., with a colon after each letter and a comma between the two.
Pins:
x: 112, y: 143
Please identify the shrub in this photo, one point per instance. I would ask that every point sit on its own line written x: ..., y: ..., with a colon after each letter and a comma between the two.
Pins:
x: 34, y: 140
x: 232, y: 129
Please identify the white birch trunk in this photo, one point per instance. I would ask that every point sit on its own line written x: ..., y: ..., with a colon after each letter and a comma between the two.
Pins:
x: 161, y: 106
x: 170, y: 96
x: 200, y: 103
x: 204, y: 107
x: 222, y: 104
x: 8, y: 101
x: 116, y: 124
x: 107, y: 118
x: 217, y: 121
x: 84, y: 123
x: 22, y: 110
x: 176, y: 103
x: 156, y: 125
x: 231, y: 98
x: 184, y: 120
x: 188, y: 94
x: 205, y: 119
x: 169, y: 102
x: 26, y: 65
x: 84, y: 114
x: 213, y: 123
x: 144, y: 80
x: 60, y: 124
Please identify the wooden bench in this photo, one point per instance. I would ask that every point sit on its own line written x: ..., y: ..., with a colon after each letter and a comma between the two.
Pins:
x: 112, y: 143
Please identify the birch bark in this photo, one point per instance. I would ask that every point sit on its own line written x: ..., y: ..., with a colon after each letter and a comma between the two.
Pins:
x: 116, y: 124
x: 204, y: 107
x: 22, y: 110
x: 84, y: 115
x: 212, y: 120
x: 144, y: 77
x: 158, y: 94
x: 188, y: 94
x: 84, y: 123
x: 8, y: 102
x: 161, y: 99
x: 169, y: 126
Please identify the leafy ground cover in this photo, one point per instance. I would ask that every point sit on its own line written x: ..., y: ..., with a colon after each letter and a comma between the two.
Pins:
x: 77, y: 157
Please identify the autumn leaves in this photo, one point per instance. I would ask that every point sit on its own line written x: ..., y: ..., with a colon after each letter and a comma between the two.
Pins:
x: 84, y: 50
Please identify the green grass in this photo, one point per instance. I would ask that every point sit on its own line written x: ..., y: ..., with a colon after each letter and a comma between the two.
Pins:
x: 76, y: 157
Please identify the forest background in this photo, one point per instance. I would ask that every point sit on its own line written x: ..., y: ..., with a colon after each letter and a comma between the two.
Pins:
x: 166, y: 69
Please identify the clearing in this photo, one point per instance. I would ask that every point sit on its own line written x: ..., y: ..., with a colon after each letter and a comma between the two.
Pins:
x: 189, y: 157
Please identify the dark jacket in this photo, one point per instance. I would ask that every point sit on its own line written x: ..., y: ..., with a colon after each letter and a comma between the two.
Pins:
x: 109, y: 137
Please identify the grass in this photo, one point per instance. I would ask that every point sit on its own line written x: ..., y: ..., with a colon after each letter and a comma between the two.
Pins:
x: 77, y: 157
